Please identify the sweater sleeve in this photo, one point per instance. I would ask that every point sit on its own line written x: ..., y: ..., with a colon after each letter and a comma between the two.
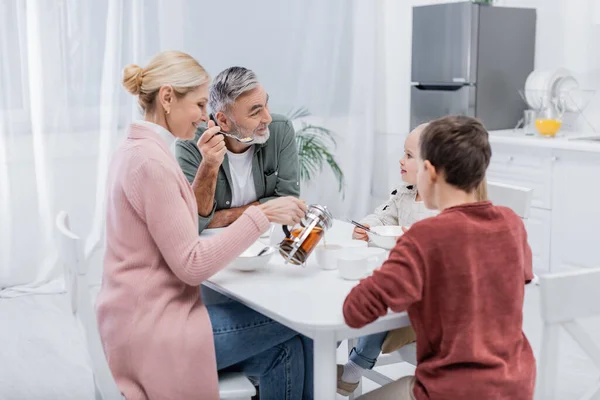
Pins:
x: 385, y: 214
x: 157, y: 197
x: 396, y: 285
x: 189, y: 159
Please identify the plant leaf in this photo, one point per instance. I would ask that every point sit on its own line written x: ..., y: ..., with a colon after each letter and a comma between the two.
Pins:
x: 296, y: 113
x: 314, y: 143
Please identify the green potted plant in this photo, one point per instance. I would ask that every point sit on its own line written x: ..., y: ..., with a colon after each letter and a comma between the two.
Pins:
x: 316, y: 145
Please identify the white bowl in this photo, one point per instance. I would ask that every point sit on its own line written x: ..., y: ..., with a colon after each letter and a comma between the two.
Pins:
x: 539, y: 84
x: 557, y: 75
x: 530, y: 94
x: 249, y: 261
x: 567, y: 88
x: 386, y: 236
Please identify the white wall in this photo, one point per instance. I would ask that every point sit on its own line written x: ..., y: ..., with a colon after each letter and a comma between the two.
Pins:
x: 568, y: 35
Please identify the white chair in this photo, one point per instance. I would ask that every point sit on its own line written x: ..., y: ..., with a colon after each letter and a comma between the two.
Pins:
x: 514, y: 197
x: 75, y: 268
x: 565, y: 298
x: 232, y: 386
x: 235, y: 386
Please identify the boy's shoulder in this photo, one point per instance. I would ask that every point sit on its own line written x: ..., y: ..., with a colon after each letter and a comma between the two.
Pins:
x: 448, y: 223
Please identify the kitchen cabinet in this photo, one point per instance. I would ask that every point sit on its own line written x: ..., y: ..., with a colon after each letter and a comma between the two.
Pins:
x: 526, y: 167
x: 576, y: 212
x: 564, y: 223
x: 539, y: 232
x: 530, y: 168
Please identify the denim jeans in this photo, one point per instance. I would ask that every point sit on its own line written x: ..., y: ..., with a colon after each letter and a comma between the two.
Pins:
x: 367, y: 350
x: 249, y: 342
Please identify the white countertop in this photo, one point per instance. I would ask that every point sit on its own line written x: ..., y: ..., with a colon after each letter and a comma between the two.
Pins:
x: 563, y: 140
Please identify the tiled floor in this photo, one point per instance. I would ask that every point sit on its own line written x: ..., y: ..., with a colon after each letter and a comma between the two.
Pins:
x: 576, y: 371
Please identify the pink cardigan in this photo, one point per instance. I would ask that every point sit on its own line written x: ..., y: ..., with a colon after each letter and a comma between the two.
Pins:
x: 155, y: 330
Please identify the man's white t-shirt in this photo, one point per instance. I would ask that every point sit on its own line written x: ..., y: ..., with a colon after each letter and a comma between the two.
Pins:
x: 242, y: 185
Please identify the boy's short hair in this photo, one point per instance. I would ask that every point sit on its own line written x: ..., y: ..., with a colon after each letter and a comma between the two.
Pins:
x: 458, y: 146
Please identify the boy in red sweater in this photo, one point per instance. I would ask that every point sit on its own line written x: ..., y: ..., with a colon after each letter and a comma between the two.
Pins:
x: 460, y: 277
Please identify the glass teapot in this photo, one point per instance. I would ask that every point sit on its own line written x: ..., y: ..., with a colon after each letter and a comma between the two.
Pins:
x: 302, y: 239
x: 549, y: 119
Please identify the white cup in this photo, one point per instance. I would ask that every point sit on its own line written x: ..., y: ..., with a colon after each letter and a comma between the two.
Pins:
x: 357, y: 263
x: 346, y: 244
x: 353, y: 265
x: 327, y: 256
x: 356, y: 244
x: 375, y: 256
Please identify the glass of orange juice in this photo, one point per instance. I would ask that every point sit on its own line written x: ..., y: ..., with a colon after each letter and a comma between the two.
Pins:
x: 548, y: 127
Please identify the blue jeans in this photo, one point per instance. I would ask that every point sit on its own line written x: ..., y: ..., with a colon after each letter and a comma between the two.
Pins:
x: 367, y: 350
x: 249, y: 342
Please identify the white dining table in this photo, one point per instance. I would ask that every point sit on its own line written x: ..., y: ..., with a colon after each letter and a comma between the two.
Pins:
x: 307, y: 299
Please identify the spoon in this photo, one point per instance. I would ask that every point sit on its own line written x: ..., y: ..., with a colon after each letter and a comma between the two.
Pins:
x: 245, y: 140
x: 263, y: 251
x: 361, y: 226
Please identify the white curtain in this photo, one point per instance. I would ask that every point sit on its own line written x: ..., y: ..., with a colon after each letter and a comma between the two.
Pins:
x: 63, y: 110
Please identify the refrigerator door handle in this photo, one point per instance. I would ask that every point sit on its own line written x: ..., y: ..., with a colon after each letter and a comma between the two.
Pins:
x: 440, y: 87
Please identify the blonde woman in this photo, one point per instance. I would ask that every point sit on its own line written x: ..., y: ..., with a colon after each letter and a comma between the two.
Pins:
x: 155, y: 330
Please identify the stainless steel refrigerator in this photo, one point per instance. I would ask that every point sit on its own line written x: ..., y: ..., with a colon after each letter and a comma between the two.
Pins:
x: 471, y: 59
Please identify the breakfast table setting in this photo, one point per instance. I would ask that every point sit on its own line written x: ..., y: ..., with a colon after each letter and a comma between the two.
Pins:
x: 300, y: 277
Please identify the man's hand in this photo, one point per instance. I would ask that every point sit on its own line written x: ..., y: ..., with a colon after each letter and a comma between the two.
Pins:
x: 360, y: 234
x: 212, y: 146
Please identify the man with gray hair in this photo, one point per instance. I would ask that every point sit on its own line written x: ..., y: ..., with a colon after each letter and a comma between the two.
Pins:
x: 256, y: 161
x: 260, y: 161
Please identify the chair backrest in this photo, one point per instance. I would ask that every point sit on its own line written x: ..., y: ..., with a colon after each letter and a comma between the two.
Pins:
x: 566, y: 297
x: 71, y: 254
x: 516, y: 198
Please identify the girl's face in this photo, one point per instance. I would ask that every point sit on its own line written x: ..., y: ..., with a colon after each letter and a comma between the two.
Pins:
x: 408, y: 163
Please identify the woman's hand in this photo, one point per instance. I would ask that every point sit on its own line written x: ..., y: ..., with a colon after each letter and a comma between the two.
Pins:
x: 360, y: 234
x: 284, y: 210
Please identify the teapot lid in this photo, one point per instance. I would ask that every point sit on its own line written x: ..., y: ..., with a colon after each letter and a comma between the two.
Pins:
x: 322, y: 213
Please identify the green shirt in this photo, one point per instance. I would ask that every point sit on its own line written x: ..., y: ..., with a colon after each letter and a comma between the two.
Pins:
x: 275, y: 167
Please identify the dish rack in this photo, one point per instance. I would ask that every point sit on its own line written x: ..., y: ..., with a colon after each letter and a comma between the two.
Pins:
x: 571, y: 104
x: 559, y: 88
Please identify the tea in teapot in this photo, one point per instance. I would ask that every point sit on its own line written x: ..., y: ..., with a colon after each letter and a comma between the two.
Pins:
x: 300, y: 242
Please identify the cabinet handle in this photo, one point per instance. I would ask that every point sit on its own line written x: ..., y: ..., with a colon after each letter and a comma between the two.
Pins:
x: 510, y: 158
x: 554, y: 159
